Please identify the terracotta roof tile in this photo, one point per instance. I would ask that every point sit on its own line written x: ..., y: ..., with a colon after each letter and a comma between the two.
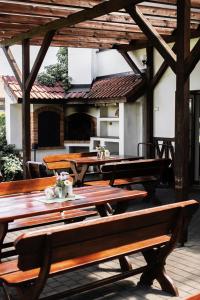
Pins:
x: 38, y: 91
x: 116, y: 86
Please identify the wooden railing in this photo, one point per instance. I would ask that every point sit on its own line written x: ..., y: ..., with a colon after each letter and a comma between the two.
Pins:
x: 164, y: 147
x: 161, y: 147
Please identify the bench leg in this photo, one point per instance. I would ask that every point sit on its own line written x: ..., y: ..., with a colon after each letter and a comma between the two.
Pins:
x: 125, y: 264
x: 3, y: 232
x: 150, y: 187
x: 156, y: 271
x: 104, y: 210
x: 5, y: 291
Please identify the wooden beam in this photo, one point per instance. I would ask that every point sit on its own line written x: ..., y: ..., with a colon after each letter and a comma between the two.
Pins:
x: 182, y: 104
x: 26, y: 132
x: 13, y: 64
x: 81, y: 16
x: 158, y: 42
x: 192, y: 60
x: 149, y: 99
x: 163, y: 68
x: 39, y: 60
x: 131, y: 63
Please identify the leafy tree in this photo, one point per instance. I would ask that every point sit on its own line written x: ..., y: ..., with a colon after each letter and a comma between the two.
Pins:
x: 10, y: 159
x: 57, y: 72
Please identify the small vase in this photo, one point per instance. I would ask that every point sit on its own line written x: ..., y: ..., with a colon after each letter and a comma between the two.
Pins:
x: 60, y: 192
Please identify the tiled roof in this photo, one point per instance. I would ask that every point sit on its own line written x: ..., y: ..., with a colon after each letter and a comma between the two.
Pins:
x: 38, y: 91
x: 112, y: 87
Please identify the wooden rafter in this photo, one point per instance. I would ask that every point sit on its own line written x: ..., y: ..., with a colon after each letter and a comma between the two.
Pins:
x: 192, y: 60
x: 159, y: 43
x: 39, y: 60
x: 130, y: 62
x: 13, y: 64
x: 163, y: 68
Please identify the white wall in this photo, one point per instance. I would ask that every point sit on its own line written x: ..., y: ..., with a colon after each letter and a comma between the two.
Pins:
x: 110, y: 62
x: 16, y: 50
x: 81, y: 65
x: 13, y: 113
x: 164, y: 98
x: 133, y: 126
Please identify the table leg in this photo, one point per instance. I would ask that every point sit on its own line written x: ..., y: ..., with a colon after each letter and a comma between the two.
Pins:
x: 3, y: 232
x: 79, y: 175
x: 104, y: 210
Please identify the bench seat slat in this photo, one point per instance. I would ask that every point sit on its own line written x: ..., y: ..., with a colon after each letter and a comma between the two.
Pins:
x: 50, y: 219
x: 12, y: 275
x: 124, y: 181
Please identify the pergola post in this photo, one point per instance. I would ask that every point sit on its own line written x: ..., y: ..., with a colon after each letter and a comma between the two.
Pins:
x: 149, y: 98
x: 26, y: 132
x: 182, y: 101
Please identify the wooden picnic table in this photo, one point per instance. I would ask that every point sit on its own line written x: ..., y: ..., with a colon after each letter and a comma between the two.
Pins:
x: 24, y: 205
x: 80, y: 165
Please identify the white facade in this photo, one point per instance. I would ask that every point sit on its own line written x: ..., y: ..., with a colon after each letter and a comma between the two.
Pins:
x: 16, y: 51
x: 164, y: 98
x: 84, y: 66
x: 87, y: 64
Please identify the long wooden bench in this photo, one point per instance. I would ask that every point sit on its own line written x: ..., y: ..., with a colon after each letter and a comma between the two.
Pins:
x: 57, y: 162
x: 145, y: 171
x: 45, y: 253
x: 194, y: 297
x: 39, y: 184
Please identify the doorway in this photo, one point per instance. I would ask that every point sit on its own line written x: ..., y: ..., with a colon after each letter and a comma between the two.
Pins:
x: 48, y: 129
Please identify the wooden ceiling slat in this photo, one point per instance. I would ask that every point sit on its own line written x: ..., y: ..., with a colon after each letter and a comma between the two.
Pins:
x: 26, y: 9
x: 19, y: 17
x: 84, y: 15
x: 91, y: 3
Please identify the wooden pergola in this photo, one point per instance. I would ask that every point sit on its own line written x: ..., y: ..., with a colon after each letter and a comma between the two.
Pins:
x: 121, y: 24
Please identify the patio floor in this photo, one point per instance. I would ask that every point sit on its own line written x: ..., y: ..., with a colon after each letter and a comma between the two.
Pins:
x: 183, y: 265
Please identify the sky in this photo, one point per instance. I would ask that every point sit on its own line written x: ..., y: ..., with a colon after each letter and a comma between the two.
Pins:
x: 16, y: 51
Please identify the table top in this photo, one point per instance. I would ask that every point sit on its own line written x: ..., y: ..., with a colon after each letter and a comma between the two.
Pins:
x: 93, y: 160
x: 26, y: 205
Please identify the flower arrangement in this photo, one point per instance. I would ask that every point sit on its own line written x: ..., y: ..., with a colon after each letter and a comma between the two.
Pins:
x: 63, y: 186
x: 61, y: 180
x: 102, y: 152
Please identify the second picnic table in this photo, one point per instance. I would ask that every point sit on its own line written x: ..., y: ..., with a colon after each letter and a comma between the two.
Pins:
x: 80, y: 165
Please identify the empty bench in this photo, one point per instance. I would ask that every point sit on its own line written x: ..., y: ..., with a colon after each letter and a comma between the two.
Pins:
x: 147, y: 172
x: 49, y: 252
x: 39, y: 184
x: 58, y: 162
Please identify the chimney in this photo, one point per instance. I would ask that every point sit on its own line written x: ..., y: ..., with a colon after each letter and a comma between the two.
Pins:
x: 81, y: 65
